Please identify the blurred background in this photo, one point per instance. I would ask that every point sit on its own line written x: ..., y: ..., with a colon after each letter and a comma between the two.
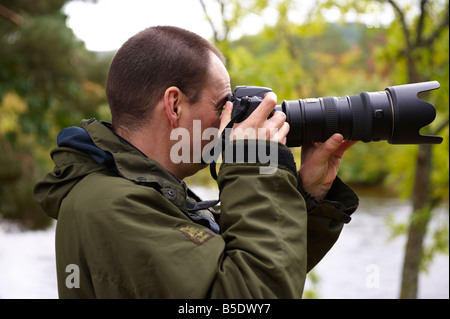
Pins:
x: 54, y: 58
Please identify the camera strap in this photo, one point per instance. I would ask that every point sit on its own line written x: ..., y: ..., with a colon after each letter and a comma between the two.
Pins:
x: 223, y: 141
x: 224, y: 138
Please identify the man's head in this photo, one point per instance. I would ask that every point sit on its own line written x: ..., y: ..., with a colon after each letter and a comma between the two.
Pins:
x: 165, y: 78
x: 149, y: 63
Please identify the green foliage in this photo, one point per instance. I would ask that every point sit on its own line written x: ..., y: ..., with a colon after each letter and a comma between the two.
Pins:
x: 438, y: 244
x: 48, y: 80
x: 315, y: 59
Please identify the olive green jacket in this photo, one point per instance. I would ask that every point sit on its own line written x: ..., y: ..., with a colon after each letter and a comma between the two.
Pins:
x: 123, y: 228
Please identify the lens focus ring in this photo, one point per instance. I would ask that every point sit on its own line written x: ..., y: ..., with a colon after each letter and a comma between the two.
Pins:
x: 331, y: 116
x: 362, y: 117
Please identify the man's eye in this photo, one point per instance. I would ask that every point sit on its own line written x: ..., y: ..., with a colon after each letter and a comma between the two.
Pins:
x: 220, y: 109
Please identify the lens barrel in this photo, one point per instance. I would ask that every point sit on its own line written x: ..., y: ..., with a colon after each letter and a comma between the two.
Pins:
x: 395, y: 114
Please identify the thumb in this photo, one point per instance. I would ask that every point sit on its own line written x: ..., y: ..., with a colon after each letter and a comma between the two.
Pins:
x: 330, y: 146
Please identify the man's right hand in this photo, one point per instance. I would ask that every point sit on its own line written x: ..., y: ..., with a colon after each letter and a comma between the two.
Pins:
x: 257, y: 125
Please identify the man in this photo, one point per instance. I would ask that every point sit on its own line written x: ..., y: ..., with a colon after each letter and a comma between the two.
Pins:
x: 129, y: 225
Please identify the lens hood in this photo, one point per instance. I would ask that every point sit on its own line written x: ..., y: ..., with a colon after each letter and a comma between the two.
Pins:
x: 410, y: 113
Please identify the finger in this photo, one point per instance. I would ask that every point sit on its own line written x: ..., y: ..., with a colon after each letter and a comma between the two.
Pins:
x: 326, y: 149
x: 264, y: 109
x: 344, y: 147
x: 283, y: 132
x: 277, y: 120
x: 226, y: 116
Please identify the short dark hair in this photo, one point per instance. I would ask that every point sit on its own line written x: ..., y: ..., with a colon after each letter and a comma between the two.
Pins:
x: 150, y: 62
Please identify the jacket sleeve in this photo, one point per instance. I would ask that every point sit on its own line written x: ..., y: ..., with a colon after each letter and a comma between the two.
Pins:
x: 274, y: 231
x: 263, y: 223
x: 326, y: 218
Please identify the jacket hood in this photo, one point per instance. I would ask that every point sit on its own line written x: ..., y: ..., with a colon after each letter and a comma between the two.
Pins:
x: 95, y: 147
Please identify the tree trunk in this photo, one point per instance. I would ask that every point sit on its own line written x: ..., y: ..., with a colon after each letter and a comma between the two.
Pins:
x: 418, y: 225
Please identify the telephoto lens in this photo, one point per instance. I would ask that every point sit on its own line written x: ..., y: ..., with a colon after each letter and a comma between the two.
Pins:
x: 396, y: 114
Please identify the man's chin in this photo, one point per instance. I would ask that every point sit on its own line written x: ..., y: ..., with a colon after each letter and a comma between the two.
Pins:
x: 195, y: 168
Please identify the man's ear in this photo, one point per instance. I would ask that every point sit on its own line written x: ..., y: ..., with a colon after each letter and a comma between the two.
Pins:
x: 172, y: 105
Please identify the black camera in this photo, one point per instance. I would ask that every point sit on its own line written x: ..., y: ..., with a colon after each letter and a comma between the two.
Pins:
x: 396, y: 114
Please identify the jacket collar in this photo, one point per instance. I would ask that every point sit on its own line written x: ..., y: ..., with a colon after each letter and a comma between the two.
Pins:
x: 133, y: 165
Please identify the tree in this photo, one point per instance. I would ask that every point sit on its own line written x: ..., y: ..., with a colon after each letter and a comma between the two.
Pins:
x: 47, y: 81
x: 416, y: 50
x: 229, y: 15
x: 421, y: 38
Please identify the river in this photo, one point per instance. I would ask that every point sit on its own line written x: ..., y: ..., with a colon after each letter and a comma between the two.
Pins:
x: 363, y: 264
